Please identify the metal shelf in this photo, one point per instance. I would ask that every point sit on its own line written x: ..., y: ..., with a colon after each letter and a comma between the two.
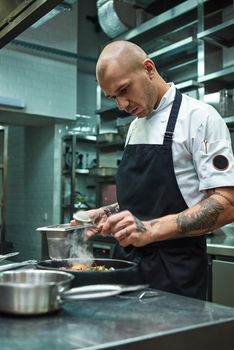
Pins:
x: 82, y: 171
x: 111, y: 113
x: 81, y: 138
x: 215, y: 81
x: 188, y: 85
x: 175, y: 49
x: 221, y: 35
x: 162, y: 19
x: 181, y: 66
x: 111, y: 146
x: 73, y: 173
x: 77, y: 171
x: 226, y: 73
x: 229, y: 120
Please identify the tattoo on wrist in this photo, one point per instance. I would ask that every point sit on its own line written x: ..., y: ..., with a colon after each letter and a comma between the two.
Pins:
x: 223, y: 195
x: 140, y: 227
x: 111, y: 209
x: 203, y: 219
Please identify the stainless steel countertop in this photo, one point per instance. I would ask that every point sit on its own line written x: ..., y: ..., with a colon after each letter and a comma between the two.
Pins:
x: 221, y: 242
x: 165, y: 321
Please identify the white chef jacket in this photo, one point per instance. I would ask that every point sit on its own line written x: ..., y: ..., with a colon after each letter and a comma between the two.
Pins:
x: 200, y: 136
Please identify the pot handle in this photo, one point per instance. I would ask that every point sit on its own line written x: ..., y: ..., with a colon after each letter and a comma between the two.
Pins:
x: 95, y: 291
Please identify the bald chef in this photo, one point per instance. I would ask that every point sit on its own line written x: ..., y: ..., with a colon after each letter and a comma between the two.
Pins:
x: 175, y: 182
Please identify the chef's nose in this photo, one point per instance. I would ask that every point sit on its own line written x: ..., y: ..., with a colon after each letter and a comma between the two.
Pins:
x: 122, y: 103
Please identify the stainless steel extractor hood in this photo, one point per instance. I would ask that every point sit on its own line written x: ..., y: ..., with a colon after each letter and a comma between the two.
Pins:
x: 18, y: 15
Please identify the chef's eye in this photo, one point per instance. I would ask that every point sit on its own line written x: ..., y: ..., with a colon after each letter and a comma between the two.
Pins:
x: 122, y: 92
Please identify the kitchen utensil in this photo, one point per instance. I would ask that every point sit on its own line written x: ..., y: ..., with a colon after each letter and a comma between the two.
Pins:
x: 82, y: 216
x: 38, y: 292
x: 96, y: 291
x: 64, y: 240
x: 9, y: 255
x: 124, y: 272
x: 32, y: 292
x: 12, y: 266
x: 107, y: 138
x: 61, y: 228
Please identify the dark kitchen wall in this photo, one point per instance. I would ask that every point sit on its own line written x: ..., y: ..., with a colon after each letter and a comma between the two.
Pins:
x: 33, y: 196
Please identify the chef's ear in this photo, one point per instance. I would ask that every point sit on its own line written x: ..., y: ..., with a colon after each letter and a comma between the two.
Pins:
x: 149, y: 67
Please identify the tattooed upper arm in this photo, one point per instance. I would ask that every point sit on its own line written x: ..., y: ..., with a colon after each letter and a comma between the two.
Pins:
x: 217, y: 192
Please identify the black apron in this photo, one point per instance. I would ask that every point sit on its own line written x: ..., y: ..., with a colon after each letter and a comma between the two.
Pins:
x: 147, y: 187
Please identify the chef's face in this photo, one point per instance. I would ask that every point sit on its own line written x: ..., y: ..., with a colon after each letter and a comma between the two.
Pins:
x: 133, y: 90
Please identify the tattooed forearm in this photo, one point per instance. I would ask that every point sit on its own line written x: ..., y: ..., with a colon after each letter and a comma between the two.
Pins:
x: 203, y: 220
x: 111, y: 209
x: 140, y: 227
x: 154, y: 222
x: 224, y: 196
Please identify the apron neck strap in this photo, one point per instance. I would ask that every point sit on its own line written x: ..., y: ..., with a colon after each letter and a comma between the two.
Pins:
x: 169, y: 134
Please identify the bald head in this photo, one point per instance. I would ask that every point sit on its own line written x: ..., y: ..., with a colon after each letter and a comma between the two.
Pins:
x: 125, y: 73
x: 123, y: 53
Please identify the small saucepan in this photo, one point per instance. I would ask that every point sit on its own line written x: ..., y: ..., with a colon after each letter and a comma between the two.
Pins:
x: 32, y: 292
x: 36, y: 292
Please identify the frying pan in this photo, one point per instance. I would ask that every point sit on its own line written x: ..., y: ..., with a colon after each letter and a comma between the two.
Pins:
x: 35, y: 292
x: 124, y: 272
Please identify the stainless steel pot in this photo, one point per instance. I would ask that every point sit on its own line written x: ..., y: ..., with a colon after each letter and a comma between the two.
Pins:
x: 32, y: 292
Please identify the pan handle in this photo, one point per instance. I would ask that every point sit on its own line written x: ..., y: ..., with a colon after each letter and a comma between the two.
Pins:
x: 96, y: 291
x: 12, y: 266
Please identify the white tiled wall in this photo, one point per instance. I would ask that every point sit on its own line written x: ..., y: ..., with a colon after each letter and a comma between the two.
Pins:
x: 46, y: 87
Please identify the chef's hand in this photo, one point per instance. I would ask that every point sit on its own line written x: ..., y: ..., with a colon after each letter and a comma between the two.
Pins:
x: 98, y: 217
x: 127, y: 229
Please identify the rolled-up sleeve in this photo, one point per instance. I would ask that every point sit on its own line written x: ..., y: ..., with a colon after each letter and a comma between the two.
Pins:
x: 212, y: 153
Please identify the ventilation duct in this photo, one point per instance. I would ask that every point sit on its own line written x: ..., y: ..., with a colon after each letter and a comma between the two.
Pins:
x: 115, y: 17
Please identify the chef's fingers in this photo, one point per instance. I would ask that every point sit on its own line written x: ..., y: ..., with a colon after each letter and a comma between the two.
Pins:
x: 117, y: 221
x: 90, y: 232
x: 126, y: 238
x: 124, y: 233
x: 73, y: 222
x: 134, y: 235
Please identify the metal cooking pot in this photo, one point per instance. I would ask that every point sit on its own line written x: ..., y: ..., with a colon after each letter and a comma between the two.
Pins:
x: 123, y: 271
x: 32, y: 292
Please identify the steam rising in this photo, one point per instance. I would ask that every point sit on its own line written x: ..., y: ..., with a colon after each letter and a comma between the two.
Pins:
x: 79, y: 247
